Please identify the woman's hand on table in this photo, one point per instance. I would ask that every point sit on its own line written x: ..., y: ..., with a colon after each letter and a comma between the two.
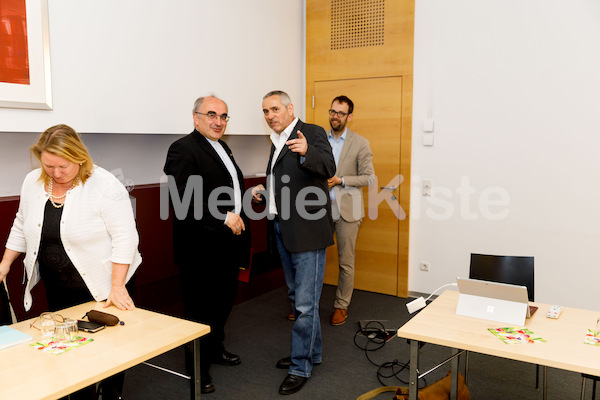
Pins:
x: 119, y: 297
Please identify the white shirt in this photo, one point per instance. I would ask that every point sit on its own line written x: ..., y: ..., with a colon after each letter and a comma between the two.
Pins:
x: 237, y: 193
x: 278, y: 141
x: 97, y: 229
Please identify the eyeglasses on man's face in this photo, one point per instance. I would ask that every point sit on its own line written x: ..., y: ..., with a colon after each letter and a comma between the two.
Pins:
x: 340, y: 114
x: 213, y: 116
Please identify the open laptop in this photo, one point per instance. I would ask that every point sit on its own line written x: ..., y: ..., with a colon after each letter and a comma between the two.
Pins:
x: 494, y: 301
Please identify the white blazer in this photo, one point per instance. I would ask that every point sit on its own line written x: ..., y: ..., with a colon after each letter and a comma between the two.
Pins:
x: 97, y: 229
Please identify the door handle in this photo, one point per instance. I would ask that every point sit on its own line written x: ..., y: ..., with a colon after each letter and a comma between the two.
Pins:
x: 392, y: 188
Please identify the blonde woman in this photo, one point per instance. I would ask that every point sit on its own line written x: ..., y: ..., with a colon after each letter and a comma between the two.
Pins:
x: 75, y: 225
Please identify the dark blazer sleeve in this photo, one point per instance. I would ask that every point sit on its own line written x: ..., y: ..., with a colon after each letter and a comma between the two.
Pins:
x: 319, y: 157
x: 180, y: 163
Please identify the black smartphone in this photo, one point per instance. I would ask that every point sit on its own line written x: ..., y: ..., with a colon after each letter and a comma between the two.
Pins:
x: 89, y: 326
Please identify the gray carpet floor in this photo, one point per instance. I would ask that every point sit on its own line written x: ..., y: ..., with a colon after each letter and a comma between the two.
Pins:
x: 260, y: 333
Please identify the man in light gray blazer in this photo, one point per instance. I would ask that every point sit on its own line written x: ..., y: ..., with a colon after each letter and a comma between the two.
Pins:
x: 354, y: 169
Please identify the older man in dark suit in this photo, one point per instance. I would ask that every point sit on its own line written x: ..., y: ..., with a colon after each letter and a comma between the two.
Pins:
x: 298, y: 201
x: 209, y: 243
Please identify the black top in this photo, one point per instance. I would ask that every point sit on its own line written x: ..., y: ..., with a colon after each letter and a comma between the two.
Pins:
x: 56, y: 269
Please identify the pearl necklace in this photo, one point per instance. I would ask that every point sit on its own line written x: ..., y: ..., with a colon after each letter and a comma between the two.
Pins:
x: 53, y: 197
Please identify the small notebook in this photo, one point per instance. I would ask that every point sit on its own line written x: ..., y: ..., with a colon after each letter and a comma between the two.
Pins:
x: 10, y: 337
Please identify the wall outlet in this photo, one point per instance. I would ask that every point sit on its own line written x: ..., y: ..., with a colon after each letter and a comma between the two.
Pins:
x: 427, y: 185
x: 424, y: 266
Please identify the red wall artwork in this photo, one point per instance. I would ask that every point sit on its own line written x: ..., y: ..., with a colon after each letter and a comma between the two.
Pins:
x: 14, y: 60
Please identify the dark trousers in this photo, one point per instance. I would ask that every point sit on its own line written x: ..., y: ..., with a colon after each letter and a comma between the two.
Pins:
x: 209, y: 290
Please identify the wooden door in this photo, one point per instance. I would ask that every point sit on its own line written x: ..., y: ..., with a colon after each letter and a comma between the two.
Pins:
x: 377, y: 117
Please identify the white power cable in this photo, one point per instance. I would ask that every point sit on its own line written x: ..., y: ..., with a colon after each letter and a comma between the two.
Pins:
x: 441, y: 287
x: 420, y: 302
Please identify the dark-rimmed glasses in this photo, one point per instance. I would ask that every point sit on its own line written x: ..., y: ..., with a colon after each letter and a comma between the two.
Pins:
x: 340, y: 114
x: 213, y: 116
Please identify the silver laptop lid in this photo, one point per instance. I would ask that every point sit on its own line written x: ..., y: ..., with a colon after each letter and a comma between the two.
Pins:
x: 495, y: 290
x: 494, y: 301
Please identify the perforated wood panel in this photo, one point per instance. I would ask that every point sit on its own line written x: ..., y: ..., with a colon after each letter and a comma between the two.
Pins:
x: 345, y: 43
x: 357, y: 23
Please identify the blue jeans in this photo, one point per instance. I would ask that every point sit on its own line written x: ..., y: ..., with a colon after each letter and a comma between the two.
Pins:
x: 304, y: 278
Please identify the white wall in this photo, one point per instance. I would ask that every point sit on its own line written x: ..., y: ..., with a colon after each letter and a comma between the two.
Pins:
x: 137, y: 66
x: 513, y: 88
x: 130, y: 72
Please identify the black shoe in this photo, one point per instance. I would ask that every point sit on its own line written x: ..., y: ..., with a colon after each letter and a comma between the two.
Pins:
x: 226, y: 358
x: 206, y: 385
x: 285, y: 363
x: 292, y: 384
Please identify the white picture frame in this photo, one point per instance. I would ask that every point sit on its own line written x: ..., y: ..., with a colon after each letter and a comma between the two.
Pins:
x: 38, y: 93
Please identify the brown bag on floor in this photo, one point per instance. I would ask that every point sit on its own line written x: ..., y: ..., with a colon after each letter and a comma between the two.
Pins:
x: 439, y: 390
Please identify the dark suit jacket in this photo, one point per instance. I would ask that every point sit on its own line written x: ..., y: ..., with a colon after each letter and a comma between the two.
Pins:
x: 193, y: 155
x: 299, y: 233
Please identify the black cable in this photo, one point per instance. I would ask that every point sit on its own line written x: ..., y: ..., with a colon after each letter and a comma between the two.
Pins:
x: 376, y: 338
